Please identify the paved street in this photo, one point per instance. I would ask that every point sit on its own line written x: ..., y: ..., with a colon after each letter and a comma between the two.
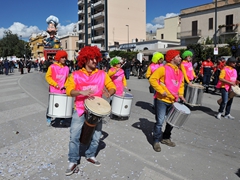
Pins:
x: 207, y: 148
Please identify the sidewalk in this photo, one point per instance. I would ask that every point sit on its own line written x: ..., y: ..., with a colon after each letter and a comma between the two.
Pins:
x: 207, y: 148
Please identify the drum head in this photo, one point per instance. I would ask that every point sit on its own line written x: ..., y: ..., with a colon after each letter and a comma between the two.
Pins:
x: 196, y: 86
x: 98, y: 106
x: 182, y: 108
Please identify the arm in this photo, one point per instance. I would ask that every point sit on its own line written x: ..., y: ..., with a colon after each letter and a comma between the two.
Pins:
x: 111, y: 73
x: 148, y: 73
x: 49, y: 79
x: 184, y: 73
x: 110, y: 87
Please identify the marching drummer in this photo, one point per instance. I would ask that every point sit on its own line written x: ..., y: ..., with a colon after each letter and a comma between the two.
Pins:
x: 116, y: 73
x: 82, y: 84
x: 168, y: 90
x: 57, y: 75
x: 157, y: 61
x: 187, y: 67
x: 227, y: 78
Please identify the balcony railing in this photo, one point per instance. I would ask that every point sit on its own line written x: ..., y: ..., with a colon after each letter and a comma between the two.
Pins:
x: 81, y: 12
x: 189, y: 34
x: 98, y: 26
x: 80, y: 2
x: 99, y: 37
x: 228, y: 30
x: 100, y: 14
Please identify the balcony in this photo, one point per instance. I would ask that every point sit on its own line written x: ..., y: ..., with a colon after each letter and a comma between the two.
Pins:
x: 99, y: 3
x: 81, y: 41
x: 80, y: 21
x: 100, y: 37
x: 98, y: 26
x: 81, y: 11
x: 189, y: 34
x: 80, y: 2
x: 231, y: 29
x: 98, y: 15
x: 81, y: 31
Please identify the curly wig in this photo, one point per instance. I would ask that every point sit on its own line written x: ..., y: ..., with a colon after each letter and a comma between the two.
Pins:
x: 60, y: 54
x: 87, y: 53
x: 114, y: 62
x: 186, y: 54
x: 157, y: 56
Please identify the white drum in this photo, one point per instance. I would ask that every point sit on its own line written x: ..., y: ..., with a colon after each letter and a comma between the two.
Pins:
x: 60, y: 106
x: 121, y: 105
x: 178, y: 114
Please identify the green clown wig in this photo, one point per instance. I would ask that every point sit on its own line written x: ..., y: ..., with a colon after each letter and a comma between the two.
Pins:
x: 114, y: 62
x: 186, y: 54
x: 157, y: 56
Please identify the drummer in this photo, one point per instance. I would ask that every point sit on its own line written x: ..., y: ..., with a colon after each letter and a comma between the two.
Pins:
x: 157, y: 61
x: 227, y: 78
x: 187, y: 68
x: 82, y: 84
x: 116, y: 73
x: 170, y: 88
x: 57, y: 75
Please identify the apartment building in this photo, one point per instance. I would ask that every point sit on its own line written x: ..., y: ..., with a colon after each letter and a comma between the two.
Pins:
x: 36, y: 45
x: 109, y: 22
x: 69, y: 43
x: 198, y: 23
x: 170, y: 29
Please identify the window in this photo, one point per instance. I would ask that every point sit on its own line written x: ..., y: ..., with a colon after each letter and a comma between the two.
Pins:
x: 229, y: 23
x: 210, y: 23
x: 66, y: 44
x: 162, y: 36
x: 194, y: 28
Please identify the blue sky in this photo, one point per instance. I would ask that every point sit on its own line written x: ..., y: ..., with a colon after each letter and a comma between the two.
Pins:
x: 29, y: 16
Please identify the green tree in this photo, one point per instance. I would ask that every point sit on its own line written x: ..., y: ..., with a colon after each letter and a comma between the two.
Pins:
x: 11, y: 45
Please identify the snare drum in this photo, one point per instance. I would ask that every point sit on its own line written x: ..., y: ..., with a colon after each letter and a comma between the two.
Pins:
x: 235, y: 91
x: 194, y: 94
x: 121, y: 105
x: 96, y: 109
x: 178, y: 114
x: 60, y: 106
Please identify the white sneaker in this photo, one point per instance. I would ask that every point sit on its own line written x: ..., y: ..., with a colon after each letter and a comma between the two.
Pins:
x: 219, y: 116
x: 229, y: 117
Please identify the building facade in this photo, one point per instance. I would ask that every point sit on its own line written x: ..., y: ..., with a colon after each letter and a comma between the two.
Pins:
x: 36, y: 45
x: 198, y: 23
x: 111, y: 22
x: 170, y: 29
x: 69, y: 43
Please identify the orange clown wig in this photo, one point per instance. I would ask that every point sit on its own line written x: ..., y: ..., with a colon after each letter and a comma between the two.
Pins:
x: 60, y: 54
x: 87, y: 53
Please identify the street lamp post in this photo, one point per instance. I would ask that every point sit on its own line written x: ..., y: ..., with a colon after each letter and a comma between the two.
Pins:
x: 92, y: 21
x: 128, y: 35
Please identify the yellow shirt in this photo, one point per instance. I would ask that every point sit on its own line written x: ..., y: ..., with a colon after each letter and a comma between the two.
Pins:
x: 185, y: 73
x: 70, y: 84
x: 222, y: 76
x: 159, y: 76
x: 48, y: 75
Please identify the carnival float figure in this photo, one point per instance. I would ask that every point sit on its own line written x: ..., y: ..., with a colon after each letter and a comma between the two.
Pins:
x: 52, y: 41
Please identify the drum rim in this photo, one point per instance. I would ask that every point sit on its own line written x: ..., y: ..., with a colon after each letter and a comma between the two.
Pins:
x: 123, y: 97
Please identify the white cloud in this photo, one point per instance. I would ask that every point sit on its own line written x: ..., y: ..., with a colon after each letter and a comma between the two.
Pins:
x: 62, y: 30
x: 158, y: 22
x: 27, y: 31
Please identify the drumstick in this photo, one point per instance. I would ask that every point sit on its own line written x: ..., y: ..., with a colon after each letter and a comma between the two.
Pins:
x: 123, y: 64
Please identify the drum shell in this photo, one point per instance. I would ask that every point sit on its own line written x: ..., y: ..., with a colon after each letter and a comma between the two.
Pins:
x: 194, y: 95
x: 121, y: 105
x: 60, y: 106
x: 176, y: 117
x: 87, y: 133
